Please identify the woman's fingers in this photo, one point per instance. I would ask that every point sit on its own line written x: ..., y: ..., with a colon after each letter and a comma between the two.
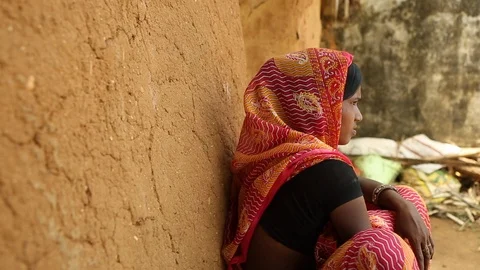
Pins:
x: 417, y: 250
x: 426, y: 255
x: 432, y: 246
x: 427, y: 249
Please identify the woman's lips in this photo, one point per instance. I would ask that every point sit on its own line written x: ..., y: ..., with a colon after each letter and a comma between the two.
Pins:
x: 354, y: 132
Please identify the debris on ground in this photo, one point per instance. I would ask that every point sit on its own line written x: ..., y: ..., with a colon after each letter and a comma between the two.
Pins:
x: 445, y: 175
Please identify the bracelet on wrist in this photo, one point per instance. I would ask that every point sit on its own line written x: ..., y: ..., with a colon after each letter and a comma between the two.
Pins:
x: 378, y: 191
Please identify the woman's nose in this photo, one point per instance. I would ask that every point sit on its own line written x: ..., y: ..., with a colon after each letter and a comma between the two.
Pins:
x: 358, y: 116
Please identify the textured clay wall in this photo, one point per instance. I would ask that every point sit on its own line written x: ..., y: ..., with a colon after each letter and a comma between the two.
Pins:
x: 421, y: 65
x: 117, y: 123
x: 275, y: 27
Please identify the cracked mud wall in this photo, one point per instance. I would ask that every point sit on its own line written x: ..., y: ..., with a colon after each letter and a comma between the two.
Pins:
x: 118, y: 120
x: 420, y: 60
x: 275, y: 27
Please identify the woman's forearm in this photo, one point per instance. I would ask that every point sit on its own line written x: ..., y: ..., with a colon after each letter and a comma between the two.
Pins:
x: 389, y: 199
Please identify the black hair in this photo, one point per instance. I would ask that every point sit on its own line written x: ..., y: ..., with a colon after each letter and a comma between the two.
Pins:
x: 354, y: 79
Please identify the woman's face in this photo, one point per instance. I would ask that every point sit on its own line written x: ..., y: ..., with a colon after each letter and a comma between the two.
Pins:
x: 350, y: 116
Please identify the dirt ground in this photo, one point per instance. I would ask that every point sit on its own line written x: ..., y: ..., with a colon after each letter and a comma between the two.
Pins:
x: 455, y: 249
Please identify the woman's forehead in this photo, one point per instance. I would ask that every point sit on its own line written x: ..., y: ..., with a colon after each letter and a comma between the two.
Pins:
x: 358, y: 93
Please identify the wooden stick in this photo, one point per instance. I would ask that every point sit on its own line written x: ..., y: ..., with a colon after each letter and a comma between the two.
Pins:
x: 463, y: 226
x: 463, y: 200
x: 460, y: 204
x: 468, y: 160
x: 472, y: 170
x: 469, y: 214
x: 446, y: 162
x: 436, y: 159
x: 442, y: 195
x: 454, y: 218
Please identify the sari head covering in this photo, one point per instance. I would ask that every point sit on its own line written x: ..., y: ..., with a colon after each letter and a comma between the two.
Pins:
x: 293, y: 112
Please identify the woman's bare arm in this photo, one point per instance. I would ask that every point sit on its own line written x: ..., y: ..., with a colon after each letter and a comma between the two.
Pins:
x: 389, y: 199
x: 266, y: 253
x: 350, y: 218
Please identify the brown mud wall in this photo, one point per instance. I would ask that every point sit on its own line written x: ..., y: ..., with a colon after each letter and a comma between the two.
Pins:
x: 275, y: 27
x: 117, y: 124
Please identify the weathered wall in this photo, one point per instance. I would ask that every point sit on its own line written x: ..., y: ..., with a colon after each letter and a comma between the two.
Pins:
x: 275, y: 27
x: 421, y: 65
x: 117, y: 123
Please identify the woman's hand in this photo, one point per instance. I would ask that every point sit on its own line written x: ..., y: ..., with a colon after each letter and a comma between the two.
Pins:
x: 408, y: 222
x: 410, y: 225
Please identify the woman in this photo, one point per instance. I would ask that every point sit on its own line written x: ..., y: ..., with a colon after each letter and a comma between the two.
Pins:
x: 296, y: 201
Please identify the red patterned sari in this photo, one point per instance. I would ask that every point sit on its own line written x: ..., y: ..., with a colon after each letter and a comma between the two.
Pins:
x: 293, y: 114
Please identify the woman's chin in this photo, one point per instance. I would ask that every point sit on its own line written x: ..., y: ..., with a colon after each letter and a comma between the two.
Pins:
x: 344, y: 141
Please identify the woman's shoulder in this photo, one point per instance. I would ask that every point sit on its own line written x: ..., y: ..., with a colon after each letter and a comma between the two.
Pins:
x: 332, y: 167
x: 327, y: 175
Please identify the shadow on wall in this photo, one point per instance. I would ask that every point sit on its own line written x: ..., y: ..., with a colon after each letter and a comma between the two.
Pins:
x: 227, y: 138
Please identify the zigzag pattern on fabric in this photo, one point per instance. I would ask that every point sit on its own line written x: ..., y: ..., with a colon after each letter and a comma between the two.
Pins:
x: 293, y: 114
x: 381, y: 240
